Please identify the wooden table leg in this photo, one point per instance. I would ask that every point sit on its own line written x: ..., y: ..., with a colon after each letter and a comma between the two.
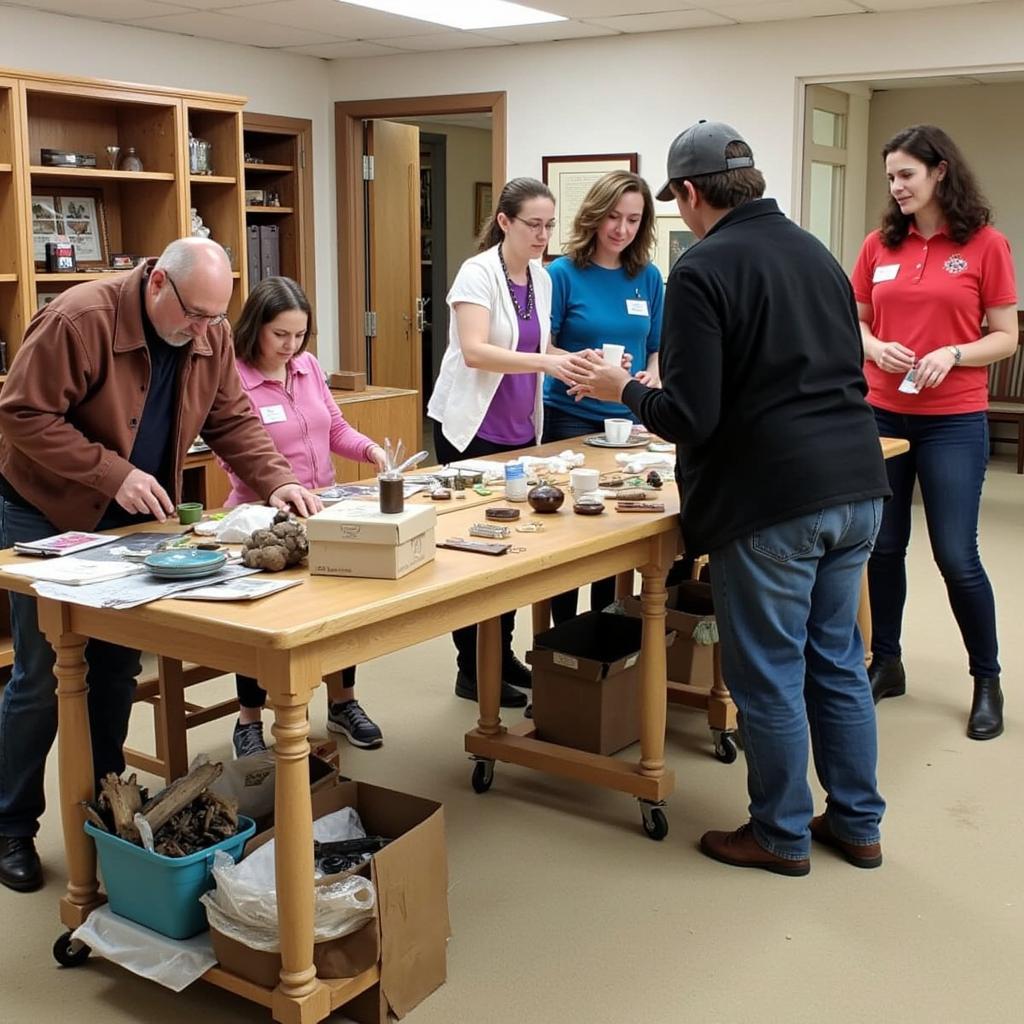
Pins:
x: 300, y: 997
x: 624, y: 585
x: 653, y: 684
x: 541, y: 616
x: 864, y: 616
x: 488, y: 676
x: 75, y: 762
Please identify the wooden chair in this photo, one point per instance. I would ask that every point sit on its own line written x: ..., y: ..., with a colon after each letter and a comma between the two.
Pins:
x: 173, y: 716
x: 1006, y: 398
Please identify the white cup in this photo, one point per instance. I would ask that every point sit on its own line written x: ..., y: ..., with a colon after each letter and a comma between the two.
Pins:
x: 617, y: 431
x: 583, y: 481
x: 613, y: 354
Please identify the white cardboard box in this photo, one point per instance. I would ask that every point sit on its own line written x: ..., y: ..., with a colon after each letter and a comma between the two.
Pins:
x: 354, y: 538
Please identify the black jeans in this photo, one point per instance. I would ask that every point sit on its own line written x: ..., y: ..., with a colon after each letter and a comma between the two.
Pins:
x: 948, y: 456
x: 465, y: 638
x: 252, y: 695
x: 560, y: 425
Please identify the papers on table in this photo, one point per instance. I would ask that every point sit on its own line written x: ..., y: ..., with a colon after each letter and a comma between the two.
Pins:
x: 238, y: 590
x: 62, y: 544
x: 73, y: 571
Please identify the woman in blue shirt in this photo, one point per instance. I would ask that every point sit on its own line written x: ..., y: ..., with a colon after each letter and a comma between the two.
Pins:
x: 604, y: 290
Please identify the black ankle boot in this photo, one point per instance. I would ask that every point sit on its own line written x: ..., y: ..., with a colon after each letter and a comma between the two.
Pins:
x: 986, y: 721
x: 887, y: 678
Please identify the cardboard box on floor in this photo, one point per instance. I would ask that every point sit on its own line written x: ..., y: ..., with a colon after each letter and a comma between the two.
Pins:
x: 686, y: 661
x: 354, y: 538
x: 586, y: 682
x: 411, y: 929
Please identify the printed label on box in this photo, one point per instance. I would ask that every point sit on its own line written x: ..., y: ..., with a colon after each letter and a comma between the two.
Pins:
x: 565, y: 660
x: 631, y: 661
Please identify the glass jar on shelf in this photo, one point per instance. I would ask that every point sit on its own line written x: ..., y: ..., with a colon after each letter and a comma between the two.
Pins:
x: 131, y: 161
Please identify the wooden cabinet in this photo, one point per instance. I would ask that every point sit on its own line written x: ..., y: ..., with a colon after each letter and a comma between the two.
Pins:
x: 278, y: 166
x: 138, y: 212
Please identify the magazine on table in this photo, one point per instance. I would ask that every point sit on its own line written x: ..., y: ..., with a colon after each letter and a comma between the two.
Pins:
x: 247, y: 589
x: 61, y: 544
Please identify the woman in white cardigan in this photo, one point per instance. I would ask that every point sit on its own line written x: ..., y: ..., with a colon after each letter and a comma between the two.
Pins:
x: 488, y: 395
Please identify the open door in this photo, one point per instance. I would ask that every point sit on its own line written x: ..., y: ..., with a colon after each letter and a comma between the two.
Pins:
x: 393, y: 256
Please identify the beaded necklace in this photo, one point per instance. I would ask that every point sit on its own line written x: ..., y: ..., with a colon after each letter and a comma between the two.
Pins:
x: 524, y: 314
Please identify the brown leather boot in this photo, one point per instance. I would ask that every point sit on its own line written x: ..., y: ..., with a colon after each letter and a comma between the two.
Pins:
x: 860, y: 856
x: 986, y: 721
x: 742, y: 850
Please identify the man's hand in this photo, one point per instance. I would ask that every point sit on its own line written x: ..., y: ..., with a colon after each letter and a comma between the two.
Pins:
x: 304, y: 502
x: 597, y: 379
x: 141, y: 494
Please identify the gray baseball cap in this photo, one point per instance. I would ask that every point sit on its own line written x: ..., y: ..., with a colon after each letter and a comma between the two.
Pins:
x: 701, y: 150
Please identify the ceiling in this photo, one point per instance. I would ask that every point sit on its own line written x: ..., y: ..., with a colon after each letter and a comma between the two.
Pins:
x: 330, y: 29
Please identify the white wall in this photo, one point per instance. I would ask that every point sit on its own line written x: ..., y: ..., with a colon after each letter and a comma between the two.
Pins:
x: 983, y: 121
x: 634, y: 93
x: 287, y: 85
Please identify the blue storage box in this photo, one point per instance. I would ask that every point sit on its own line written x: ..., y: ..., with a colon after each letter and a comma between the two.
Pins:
x: 160, y: 892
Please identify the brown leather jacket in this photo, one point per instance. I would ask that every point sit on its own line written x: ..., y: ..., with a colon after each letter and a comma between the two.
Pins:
x: 74, y: 396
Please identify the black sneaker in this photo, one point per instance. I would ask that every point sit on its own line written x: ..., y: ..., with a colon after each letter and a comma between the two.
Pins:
x: 348, y: 718
x: 248, y: 739
x: 513, y: 671
x: 465, y: 687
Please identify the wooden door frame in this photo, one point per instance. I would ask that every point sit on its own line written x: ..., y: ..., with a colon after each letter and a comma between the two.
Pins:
x: 302, y: 129
x: 348, y: 140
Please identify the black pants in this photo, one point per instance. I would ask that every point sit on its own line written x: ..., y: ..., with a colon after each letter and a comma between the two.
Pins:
x: 252, y: 695
x: 465, y: 638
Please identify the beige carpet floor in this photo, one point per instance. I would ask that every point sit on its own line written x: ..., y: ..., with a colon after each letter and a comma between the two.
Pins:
x: 563, y: 911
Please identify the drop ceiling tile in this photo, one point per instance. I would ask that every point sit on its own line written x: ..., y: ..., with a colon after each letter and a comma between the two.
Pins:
x: 351, y: 50
x: 103, y: 10
x: 662, y: 21
x: 783, y: 10
x: 551, y: 30
x: 454, y: 39
x: 913, y: 5
x: 581, y: 9
x: 235, y: 30
x: 337, y: 19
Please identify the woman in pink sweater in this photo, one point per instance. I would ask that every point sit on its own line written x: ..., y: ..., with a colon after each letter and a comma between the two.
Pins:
x: 286, y: 387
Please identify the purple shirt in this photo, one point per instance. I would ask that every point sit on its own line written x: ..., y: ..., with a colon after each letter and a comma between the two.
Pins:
x: 508, y: 420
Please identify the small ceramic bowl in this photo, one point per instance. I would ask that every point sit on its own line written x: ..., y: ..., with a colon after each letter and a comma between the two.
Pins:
x: 189, y: 512
x: 588, y: 505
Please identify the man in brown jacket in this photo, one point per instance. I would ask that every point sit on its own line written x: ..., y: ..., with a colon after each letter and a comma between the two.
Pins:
x: 112, y: 383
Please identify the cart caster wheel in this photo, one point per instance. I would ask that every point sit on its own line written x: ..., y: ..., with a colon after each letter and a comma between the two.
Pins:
x: 725, y: 747
x: 654, y: 820
x: 69, y: 952
x: 483, y: 776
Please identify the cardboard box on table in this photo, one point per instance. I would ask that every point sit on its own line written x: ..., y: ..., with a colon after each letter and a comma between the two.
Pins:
x: 586, y: 682
x: 687, y: 606
x: 410, y: 929
x: 354, y: 538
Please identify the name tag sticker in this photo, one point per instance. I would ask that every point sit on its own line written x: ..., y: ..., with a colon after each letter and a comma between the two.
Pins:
x: 637, y: 307
x: 886, y: 273
x: 273, y: 414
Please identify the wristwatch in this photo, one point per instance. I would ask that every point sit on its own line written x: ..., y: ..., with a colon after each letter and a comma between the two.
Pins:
x: 957, y: 354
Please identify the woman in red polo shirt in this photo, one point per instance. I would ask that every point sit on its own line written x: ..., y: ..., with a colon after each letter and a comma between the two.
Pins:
x: 937, y: 300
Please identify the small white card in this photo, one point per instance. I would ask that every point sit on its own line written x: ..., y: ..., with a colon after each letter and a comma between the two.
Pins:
x: 887, y: 272
x: 273, y: 414
x: 637, y: 307
x: 908, y: 385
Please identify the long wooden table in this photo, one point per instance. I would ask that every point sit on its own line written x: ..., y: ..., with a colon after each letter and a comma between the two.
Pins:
x: 289, y: 642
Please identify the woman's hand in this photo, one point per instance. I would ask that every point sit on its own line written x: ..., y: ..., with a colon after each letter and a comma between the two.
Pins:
x: 377, y: 456
x: 649, y: 378
x: 892, y: 357
x: 931, y: 371
x: 568, y: 367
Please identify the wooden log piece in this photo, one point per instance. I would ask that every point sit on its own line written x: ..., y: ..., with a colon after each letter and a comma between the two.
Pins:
x: 179, y: 794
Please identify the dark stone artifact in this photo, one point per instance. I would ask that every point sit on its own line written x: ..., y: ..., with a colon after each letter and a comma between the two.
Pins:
x: 501, y: 515
x: 545, y: 498
x: 588, y: 505
x: 654, y: 479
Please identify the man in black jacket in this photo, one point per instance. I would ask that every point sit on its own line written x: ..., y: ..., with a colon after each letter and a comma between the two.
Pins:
x: 782, y: 478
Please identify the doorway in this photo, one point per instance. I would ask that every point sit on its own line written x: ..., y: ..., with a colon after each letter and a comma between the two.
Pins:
x: 352, y: 214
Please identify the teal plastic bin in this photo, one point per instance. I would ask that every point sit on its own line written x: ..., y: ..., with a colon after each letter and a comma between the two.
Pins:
x: 160, y: 892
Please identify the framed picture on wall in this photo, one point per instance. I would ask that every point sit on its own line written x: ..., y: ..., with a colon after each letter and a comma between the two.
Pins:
x: 673, y: 238
x: 570, y: 178
x: 76, y: 214
x: 483, y: 203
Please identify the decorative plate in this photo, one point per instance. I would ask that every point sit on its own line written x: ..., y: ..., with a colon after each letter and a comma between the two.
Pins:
x: 185, y: 563
x: 636, y: 441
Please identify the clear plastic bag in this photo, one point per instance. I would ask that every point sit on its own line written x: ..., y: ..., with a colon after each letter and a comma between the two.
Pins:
x: 240, y: 522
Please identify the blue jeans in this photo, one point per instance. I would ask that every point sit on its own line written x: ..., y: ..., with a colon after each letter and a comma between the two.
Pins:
x: 948, y: 457
x: 28, y: 710
x: 786, y: 600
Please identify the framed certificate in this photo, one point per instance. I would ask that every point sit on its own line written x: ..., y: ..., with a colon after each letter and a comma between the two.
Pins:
x: 570, y: 178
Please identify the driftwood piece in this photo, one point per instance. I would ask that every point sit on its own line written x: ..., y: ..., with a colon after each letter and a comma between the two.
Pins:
x: 94, y: 816
x: 179, y: 794
x: 124, y: 799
